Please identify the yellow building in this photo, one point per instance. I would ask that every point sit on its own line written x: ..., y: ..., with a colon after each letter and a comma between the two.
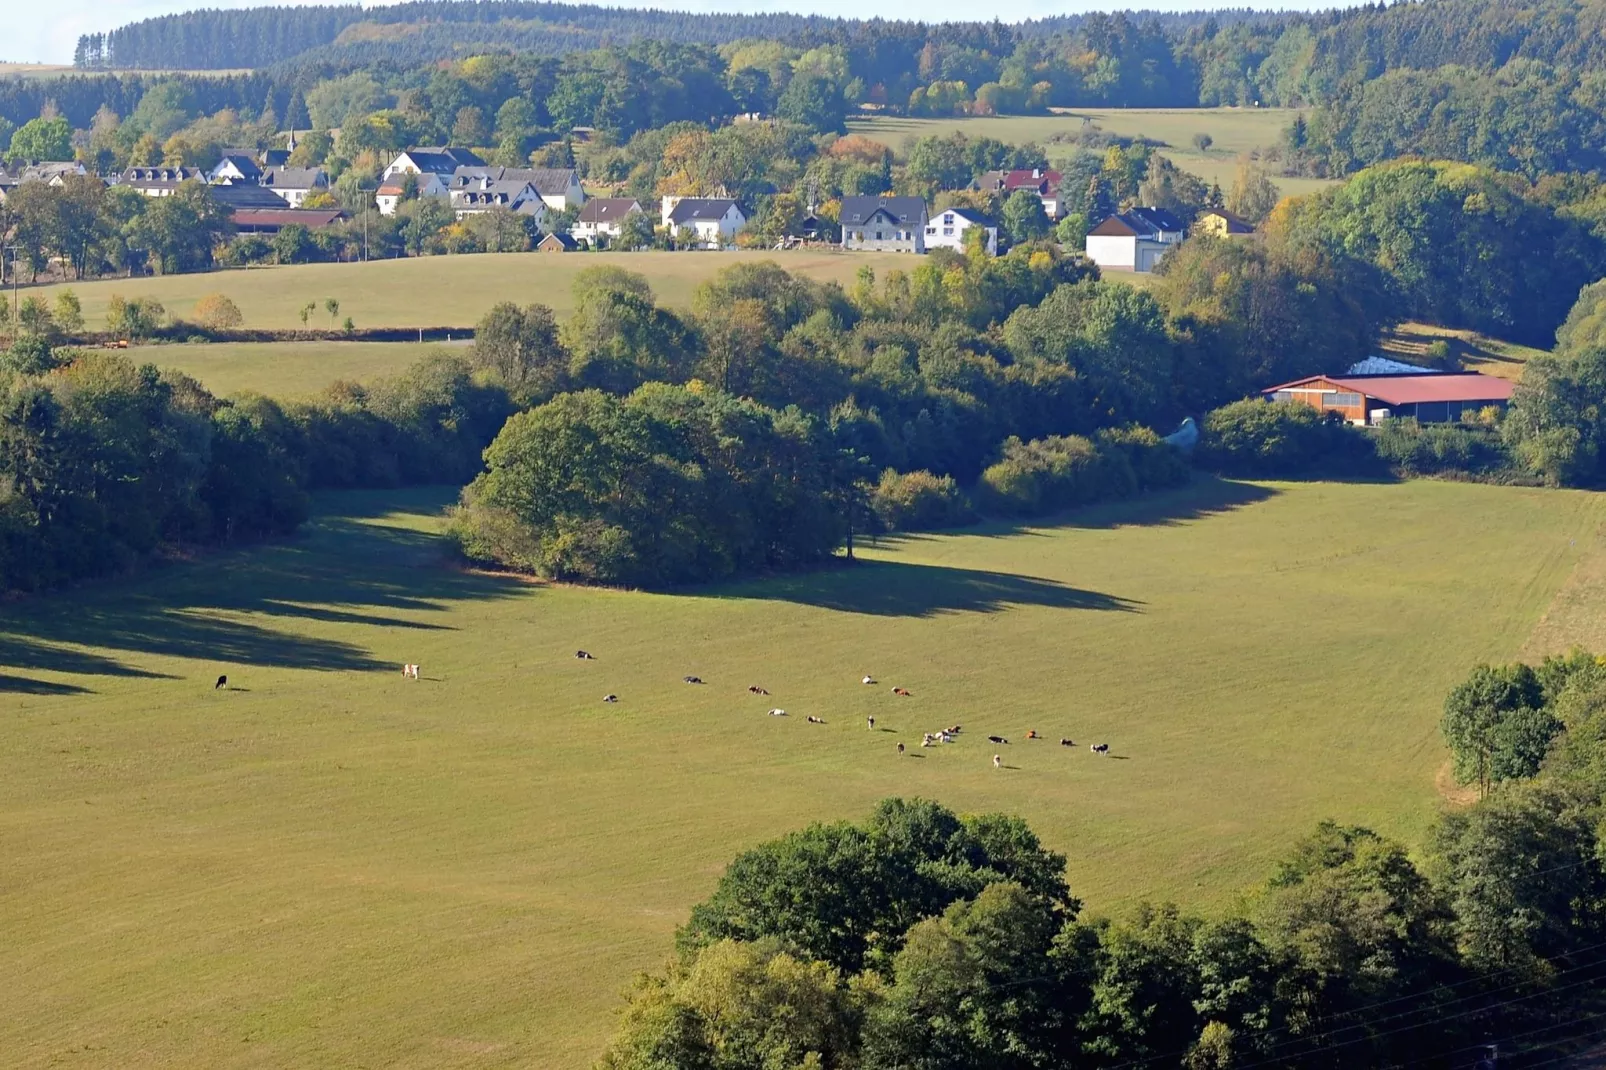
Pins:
x: 1221, y: 224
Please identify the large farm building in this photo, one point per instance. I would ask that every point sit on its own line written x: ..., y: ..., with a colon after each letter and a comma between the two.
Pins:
x: 1429, y: 397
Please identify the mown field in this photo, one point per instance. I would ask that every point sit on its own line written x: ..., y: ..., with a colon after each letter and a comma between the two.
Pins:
x: 440, y: 291
x: 326, y: 865
x: 288, y: 369
x: 1235, y: 130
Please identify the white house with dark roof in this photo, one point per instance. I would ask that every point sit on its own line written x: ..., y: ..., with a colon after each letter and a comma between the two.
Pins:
x: 389, y: 194
x: 602, y: 219
x: 435, y: 160
x: 159, y: 181
x: 1135, y: 240
x: 295, y: 184
x: 559, y: 187
x: 948, y: 230
x: 714, y: 221
x: 487, y: 193
x: 236, y: 166
x: 884, y: 224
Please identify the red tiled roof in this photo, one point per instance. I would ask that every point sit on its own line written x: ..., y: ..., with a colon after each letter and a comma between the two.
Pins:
x: 1415, y: 389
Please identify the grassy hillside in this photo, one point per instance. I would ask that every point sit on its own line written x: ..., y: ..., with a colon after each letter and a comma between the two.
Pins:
x: 1478, y: 352
x: 440, y: 291
x: 326, y: 865
x: 1235, y: 130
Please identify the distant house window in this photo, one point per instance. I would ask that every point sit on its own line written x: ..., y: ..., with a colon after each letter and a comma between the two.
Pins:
x: 1341, y: 399
x: 947, y: 232
x: 878, y: 235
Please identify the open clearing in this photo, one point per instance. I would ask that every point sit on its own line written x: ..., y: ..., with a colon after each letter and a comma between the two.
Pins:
x: 1235, y: 130
x: 326, y: 865
x: 288, y: 369
x: 1478, y: 352
x: 445, y: 291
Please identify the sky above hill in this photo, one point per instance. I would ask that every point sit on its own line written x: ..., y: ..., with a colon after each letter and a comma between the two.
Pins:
x: 32, y: 31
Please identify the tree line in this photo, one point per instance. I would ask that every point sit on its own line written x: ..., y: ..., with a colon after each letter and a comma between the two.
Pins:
x: 107, y: 463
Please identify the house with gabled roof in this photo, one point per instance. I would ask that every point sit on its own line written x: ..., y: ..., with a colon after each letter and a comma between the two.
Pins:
x: 602, y: 219
x: 236, y: 166
x: 442, y: 160
x: 884, y: 224
x: 713, y: 221
x: 159, y: 181
x: 487, y: 194
x: 559, y: 187
x: 1220, y: 223
x: 1136, y: 239
x: 1045, y: 183
x: 295, y: 184
x: 948, y: 229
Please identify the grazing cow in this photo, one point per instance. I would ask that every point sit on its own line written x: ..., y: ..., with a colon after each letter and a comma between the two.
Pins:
x: 946, y: 737
x: 583, y: 656
x: 955, y: 729
x: 756, y: 690
x: 815, y: 720
x: 998, y: 761
x: 1031, y: 733
x: 777, y: 713
x: 610, y: 698
x: 692, y: 679
x: 222, y: 681
x: 409, y: 672
x: 871, y: 724
x: 900, y: 748
x: 1067, y: 742
x: 868, y: 680
x: 997, y: 739
x: 904, y: 691
x: 1101, y: 749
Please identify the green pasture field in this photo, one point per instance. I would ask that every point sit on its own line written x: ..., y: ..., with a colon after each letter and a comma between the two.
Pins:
x: 1235, y: 130
x: 440, y: 291
x: 288, y: 369
x: 324, y: 864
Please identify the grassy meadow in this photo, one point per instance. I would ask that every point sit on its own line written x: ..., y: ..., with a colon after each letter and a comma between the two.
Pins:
x: 1235, y: 130
x: 326, y: 865
x: 440, y: 291
x: 288, y: 369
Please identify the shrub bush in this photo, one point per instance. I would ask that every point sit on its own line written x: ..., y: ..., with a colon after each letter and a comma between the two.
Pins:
x: 1282, y: 439
x: 919, y: 501
x: 217, y: 312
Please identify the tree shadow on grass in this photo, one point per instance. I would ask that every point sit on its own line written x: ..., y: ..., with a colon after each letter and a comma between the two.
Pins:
x: 1203, y: 497
x: 342, y: 569
x: 901, y: 589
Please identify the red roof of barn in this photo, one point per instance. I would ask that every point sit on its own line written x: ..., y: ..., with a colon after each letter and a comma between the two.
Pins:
x: 1415, y: 389
x: 283, y: 217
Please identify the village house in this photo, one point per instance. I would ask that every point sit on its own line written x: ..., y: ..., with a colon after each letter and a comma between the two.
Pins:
x: 602, y: 219
x: 159, y: 181
x: 433, y: 168
x: 1220, y: 223
x: 948, y: 230
x: 1429, y: 397
x: 1044, y: 183
x: 487, y: 193
x: 295, y: 184
x: 247, y: 195
x: 236, y: 166
x: 1134, y: 240
x: 559, y: 187
x: 713, y: 222
x: 884, y: 224
x: 556, y: 243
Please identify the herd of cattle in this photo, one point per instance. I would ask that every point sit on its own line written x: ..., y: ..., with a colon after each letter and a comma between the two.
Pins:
x: 928, y: 739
